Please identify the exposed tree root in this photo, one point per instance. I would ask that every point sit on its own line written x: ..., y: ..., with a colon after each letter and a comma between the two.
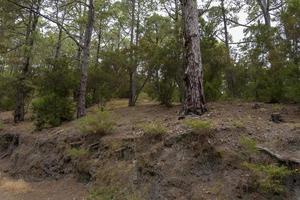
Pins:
x: 289, y: 160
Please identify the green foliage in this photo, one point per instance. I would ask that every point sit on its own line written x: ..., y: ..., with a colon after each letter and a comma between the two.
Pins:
x: 248, y: 145
x: 215, y: 60
x: 154, y: 128
x: 269, y: 178
x: 198, y: 125
x: 54, y: 104
x: 76, y: 153
x: 52, y: 110
x: 7, y: 92
x: 102, y: 194
x: 100, y: 123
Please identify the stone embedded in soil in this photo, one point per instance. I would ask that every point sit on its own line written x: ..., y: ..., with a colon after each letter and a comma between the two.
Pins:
x: 276, y: 118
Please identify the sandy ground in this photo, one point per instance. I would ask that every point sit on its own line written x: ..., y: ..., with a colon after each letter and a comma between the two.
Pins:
x: 64, y: 189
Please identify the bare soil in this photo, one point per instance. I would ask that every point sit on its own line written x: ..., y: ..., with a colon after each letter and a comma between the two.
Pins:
x: 130, y: 165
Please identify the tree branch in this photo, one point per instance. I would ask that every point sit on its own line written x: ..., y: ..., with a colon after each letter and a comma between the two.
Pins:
x: 49, y: 19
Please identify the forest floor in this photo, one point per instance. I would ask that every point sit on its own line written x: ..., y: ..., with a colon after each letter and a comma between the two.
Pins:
x: 34, y: 165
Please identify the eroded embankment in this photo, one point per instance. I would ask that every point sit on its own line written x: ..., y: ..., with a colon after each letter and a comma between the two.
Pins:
x: 183, y: 165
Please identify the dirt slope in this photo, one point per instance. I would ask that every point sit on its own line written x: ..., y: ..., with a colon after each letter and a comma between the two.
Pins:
x: 130, y: 165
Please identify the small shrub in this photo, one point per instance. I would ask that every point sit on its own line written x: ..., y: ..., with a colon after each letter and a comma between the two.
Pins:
x: 239, y: 124
x: 154, y: 128
x: 197, y: 125
x: 269, y: 178
x: 75, y: 153
x: 100, y: 123
x: 52, y: 110
x: 102, y: 194
x: 248, y: 145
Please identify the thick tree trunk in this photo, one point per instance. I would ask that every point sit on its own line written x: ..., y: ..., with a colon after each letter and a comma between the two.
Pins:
x: 22, y: 89
x: 81, y: 109
x: 194, y: 102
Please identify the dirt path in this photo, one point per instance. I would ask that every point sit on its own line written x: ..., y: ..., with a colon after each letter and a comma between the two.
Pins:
x: 65, y: 189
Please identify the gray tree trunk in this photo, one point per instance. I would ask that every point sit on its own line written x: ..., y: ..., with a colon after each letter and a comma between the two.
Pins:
x: 265, y: 7
x: 132, y: 70
x: 194, y: 102
x: 81, y: 109
x: 98, y: 46
x: 60, y: 30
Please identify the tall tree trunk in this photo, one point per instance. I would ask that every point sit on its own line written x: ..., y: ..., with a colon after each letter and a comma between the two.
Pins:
x: 60, y: 31
x: 98, y: 46
x: 22, y: 88
x: 225, y: 25
x: 230, y: 78
x: 265, y: 7
x: 81, y: 109
x: 194, y: 102
x: 132, y: 70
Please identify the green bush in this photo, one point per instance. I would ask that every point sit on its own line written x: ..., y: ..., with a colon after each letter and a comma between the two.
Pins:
x: 100, y: 123
x: 75, y: 153
x: 248, y: 145
x: 53, y: 104
x: 269, y: 178
x: 7, y: 92
x: 52, y: 110
x: 154, y: 128
x: 197, y: 125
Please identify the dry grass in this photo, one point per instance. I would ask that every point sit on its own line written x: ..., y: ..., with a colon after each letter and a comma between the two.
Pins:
x: 15, y: 186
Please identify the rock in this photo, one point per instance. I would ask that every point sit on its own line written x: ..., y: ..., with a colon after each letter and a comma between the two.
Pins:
x: 256, y: 106
x: 182, y: 117
x: 276, y: 118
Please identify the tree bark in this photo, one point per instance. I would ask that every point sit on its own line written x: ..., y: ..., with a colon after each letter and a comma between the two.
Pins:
x: 132, y: 70
x: 81, y: 109
x: 60, y: 30
x: 265, y: 7
x: 225, y: 25
x: 22, y: 89
x: 194, y: 102
x: 98, y: 46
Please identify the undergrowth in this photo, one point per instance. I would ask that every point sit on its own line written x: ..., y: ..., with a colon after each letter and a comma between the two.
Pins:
x: 248, y: 146
x: 268, y: 178
x: 100, y: 123
x: 154, y: 128
x: 75, y: 153
x: 239, y: 124
x: 264, y: 177
x: 198, y: 125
